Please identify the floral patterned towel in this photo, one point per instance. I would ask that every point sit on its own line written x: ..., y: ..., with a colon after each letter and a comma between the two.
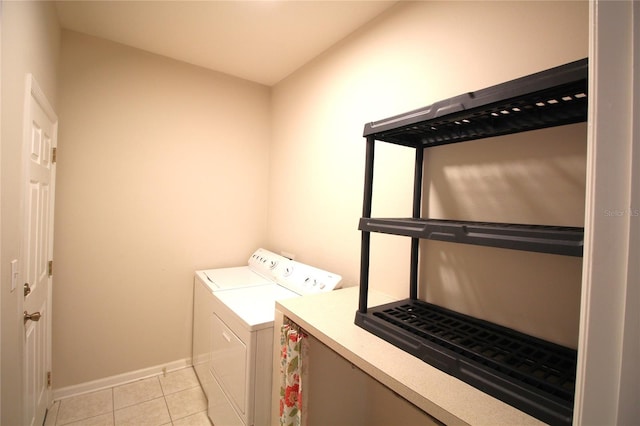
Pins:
x: 293, y: 347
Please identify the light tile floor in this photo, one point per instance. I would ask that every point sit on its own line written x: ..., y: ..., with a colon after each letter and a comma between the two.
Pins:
x: 175, y: 399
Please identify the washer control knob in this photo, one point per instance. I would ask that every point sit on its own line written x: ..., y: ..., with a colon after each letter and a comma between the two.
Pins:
x: 288, y: 270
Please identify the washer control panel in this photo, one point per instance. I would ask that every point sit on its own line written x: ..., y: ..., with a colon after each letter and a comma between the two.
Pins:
x: 265, y: 262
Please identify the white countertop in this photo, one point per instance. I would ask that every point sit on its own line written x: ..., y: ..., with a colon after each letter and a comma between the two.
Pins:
x: 329, y: 317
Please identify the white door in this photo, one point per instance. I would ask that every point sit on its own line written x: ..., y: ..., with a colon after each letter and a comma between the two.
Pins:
x: 40, y: 131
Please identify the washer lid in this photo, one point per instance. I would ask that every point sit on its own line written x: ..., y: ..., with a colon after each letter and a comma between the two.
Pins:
x: 230, y: 278
x: 255, y: 306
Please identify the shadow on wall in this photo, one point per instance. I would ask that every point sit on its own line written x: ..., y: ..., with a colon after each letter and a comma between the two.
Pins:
x: 534, y: 177
x: 531, y: 178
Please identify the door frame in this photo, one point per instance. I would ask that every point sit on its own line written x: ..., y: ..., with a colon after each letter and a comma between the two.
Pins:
x: 35, y: 93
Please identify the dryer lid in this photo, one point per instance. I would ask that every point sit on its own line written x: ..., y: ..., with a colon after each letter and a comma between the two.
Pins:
x: 255, y: 307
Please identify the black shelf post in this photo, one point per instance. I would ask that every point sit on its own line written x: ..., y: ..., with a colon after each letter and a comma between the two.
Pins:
x: 366, y: 236
x: 415, y: 242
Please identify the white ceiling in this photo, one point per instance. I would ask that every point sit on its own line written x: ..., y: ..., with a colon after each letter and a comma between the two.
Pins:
x: 262, y: 41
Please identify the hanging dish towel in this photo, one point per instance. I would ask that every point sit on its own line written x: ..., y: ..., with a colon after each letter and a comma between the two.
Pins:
x: 293, y: 345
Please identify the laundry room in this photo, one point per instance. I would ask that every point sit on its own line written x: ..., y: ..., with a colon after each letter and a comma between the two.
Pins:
x: 165, y: 167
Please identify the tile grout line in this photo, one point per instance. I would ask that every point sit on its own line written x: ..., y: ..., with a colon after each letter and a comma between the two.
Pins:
x: 113, y: 405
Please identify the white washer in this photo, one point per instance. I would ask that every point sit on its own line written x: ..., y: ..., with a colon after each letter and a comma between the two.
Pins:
x: 233, y: 331
x: 259, y: 268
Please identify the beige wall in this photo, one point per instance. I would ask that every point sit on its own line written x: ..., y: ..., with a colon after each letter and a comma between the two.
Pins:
x: 162, y: 170
x: 30, y: 44
x: 414, y: 55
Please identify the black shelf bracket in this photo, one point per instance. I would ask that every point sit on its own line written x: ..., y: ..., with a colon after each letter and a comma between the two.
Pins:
x: 562, y: 240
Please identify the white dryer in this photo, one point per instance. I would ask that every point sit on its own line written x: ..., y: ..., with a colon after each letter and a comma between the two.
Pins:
x: 233, y: 331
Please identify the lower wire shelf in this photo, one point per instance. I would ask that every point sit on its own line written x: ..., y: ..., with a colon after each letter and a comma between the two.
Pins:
x: 532, y: 375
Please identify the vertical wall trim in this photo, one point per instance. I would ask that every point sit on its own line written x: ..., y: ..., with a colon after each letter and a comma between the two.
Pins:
x: 608, y: 333
x: 628, y: 408
x: 1, y: 289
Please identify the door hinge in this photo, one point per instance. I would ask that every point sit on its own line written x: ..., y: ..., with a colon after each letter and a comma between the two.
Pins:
x: 50, y: 268
x: 54, y: 154
x: 48, y: 379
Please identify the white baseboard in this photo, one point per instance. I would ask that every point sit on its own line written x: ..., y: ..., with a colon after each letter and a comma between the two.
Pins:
x: 119, y: 379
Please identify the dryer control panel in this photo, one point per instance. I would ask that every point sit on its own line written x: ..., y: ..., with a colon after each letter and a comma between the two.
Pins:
x: 305, y: 279
x: 295, y: 276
